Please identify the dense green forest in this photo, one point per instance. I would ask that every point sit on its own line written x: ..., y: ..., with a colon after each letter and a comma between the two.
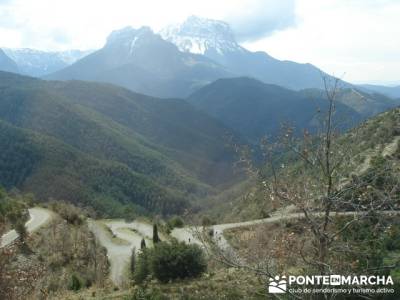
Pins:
x: 107, y: 147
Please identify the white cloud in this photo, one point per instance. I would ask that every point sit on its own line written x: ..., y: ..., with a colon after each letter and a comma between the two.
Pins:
x: 88, y: 22
x: 255, y: 19
x: 359, y: 38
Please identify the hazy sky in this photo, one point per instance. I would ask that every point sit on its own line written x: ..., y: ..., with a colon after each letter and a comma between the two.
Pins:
x: 360, y: 38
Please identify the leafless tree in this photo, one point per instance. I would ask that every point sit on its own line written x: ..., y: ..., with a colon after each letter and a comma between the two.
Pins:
x: 321, y: 184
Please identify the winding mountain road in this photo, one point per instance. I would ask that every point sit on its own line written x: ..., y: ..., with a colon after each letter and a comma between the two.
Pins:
x: 38, y: 217
x: 119, y: 251
x: 120, y: 237
x: 190, y: 234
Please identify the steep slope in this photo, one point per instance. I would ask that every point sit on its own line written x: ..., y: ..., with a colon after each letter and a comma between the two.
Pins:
x: 255, y: 109
x: 186, y: 134
x: 166, y: 142
x: 216, y: 40
x: 390, y: 91
x: 7, y: 64
x: 39, y: 63
x: 372, y: 161
x: 367, y: 104
x: 380, y: 132
x: 142, y: 61
x: 51, y: 169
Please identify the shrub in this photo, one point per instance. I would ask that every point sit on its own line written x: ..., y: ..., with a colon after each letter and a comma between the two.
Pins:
x: 176, y: 260
x: 175, y: 222
x: 142, y: 270
x: 68, y: 212
x: 206, y: 221
x: 21, y: 230
x: 75, y: 283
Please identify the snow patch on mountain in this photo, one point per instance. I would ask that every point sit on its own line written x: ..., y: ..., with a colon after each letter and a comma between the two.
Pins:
x: 37, y: 63
x: 200, y: 35
x: 128, y: 36
x: 133, y: 45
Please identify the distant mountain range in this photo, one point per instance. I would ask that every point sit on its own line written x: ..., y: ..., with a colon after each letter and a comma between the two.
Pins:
x: 176, y: 62
x: 142, y: 61
x: 255, y: 109
x: 182, y: 59
x: 39, y: 63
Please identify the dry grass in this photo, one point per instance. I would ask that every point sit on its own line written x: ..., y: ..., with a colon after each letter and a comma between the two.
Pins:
x: 53, y: 254
x: 280, y: 243
x: 228, y: 284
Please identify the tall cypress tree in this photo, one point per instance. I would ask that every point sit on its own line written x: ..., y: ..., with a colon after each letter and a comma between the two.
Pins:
x: 156, y: 239
x: 143, y: 244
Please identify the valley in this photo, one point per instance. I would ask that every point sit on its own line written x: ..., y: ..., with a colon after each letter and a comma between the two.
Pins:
x: 184, y: 162
x: 117, y: 154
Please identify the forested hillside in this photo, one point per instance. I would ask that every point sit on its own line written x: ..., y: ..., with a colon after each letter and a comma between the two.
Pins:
x: 102, y: 145
x: 255, y: 109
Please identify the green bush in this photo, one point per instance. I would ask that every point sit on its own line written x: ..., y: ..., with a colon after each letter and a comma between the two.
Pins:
x: 175, y: 222
x: 169, y: 261
x: 176, y: 260
x: 75, y: 283
x: 141, y: 269
x: 206, y: 221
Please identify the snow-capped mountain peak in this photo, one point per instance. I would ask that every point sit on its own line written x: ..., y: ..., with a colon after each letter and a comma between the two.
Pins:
x: 200, y: 35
